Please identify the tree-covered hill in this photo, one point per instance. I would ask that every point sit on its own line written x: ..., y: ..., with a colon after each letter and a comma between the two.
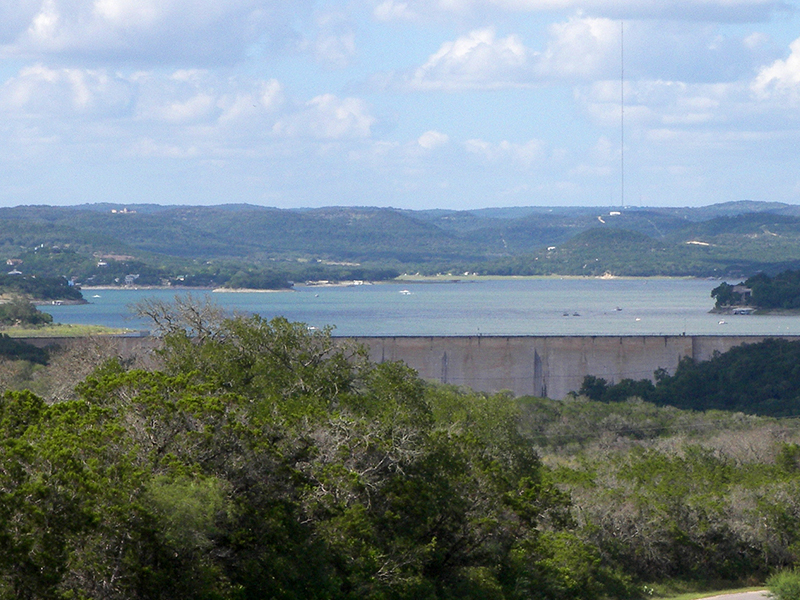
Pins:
x: 360, y: 234
x: 723, y: 246
x: 210, y: 245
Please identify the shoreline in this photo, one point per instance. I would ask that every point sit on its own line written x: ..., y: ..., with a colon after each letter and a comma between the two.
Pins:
x: 475, y: 278
x: 91, y: 288
x: 402, y: 279
x: 134, y: 288
x: 42, y: 302
x: 247, y: 290
x: 756, y: 312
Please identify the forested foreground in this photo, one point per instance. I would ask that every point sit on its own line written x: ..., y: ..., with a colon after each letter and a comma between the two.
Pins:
x: 255, y: 459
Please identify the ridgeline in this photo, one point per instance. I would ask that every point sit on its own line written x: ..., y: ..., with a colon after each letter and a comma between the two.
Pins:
x: 241, y: 246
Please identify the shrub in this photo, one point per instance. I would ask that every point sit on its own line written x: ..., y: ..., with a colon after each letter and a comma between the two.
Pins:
x: 785, y: 585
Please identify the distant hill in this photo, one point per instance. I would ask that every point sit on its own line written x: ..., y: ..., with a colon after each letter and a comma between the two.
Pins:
x: 210, y: 244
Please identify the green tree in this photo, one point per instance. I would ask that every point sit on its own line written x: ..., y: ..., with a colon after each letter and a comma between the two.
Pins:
x: 264, y: 460
x: 20, y: 311
x: 725, y: 296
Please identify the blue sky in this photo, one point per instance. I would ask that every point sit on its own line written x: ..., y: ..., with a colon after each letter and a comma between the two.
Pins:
x: 407, y: 103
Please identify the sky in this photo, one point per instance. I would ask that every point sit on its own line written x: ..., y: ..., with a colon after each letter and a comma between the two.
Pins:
x: 419, y: 104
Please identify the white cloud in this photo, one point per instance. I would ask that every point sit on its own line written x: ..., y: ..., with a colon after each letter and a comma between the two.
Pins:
x: 200, y: 97
x: 781, y: 77
x: 335, y: 43
x: 328, y: 117
x: 175, y: 30
x: 149, y: 148
x: 390, y: 10
x: 580, y: 47
x: 181, y: 105
x: 658, y: 103
x: 526, y: 154
x: 206, y: 89
x: 196, y: 108
x: 590, y: 48
x: 679, y: 10
x: 432, y: 139
x: 335, y: 50
x: 477, y: 60
x: 270, y: 94
x: 755, y: 40
x: 184, y: 96
x: 131, y: 13
x: 15, y: 17
x: 241, y: 107
x: 42, y: 90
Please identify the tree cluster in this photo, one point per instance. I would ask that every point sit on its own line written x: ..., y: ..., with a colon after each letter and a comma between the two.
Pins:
x: 781, y: 291
x: 20, y: 311
x: 11, y: 349
x: 762, y: 378
x: 261, y: 460
x: 40, y: 288
x: 672, y: 497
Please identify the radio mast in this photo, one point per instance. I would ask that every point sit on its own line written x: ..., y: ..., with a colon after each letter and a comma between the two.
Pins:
x: 622, y: 114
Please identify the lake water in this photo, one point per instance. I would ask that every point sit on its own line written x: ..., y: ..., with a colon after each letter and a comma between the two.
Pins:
x: 541, y: 306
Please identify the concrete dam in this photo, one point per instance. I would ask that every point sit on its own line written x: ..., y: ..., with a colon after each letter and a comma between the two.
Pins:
x: 549, y: 366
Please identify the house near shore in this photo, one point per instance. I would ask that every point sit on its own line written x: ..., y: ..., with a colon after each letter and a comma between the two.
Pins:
x: 744, y: 292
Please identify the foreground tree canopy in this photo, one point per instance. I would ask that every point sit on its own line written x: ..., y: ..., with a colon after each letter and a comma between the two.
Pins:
x: 254, y: 459
x: 261, y: 460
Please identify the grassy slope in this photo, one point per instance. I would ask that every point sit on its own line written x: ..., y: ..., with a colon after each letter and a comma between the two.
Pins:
x: 61, y: 330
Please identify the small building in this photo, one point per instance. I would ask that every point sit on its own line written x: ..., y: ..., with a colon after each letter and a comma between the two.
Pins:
x: 744, y: 292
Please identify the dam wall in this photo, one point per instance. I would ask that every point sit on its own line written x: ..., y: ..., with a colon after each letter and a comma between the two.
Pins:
x: 549, y: 366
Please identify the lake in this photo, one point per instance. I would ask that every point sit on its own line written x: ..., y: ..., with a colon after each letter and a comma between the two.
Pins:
x: 531, y: 306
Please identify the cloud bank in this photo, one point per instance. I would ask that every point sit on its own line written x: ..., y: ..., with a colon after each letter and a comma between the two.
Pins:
x: 402, y: 102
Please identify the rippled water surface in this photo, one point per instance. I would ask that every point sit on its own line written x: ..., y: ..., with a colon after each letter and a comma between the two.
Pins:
x: 546, y: 306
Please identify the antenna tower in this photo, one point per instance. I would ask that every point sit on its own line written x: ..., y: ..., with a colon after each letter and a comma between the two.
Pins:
x: 622, y: 113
